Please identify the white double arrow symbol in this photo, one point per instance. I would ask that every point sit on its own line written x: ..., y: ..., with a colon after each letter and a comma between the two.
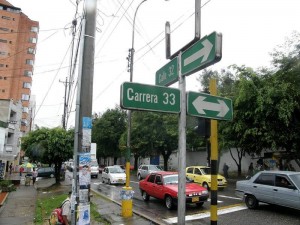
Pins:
x: 205, y: 51
x: 201, y: 105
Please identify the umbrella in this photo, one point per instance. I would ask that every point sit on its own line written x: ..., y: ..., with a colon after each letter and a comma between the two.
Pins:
x: 27, y: 165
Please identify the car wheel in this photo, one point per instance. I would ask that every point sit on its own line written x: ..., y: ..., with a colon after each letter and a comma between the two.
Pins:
x: 139, y: 176
x: 169, y: 202
x: 199, y: 204
x: 108, y: 181
x: 251, y: 202
x: 205, y: 185
x: 145, y: 196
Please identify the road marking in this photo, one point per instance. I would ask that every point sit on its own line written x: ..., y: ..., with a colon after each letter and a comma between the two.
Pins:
x: 225, y: 196
x: 207, y: 214
x: 218, y: 200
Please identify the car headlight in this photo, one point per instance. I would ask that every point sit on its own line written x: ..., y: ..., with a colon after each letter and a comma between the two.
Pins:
x: 205, y: 192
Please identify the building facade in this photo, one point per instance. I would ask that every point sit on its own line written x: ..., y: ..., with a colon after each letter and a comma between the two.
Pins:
x: 18, y: 42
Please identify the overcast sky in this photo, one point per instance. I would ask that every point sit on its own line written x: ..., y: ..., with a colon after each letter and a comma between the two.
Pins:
x: 251, y: 29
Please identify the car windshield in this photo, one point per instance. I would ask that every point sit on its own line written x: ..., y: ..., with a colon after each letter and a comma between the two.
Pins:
x: 205, y: 170
x: 296, y: 179
x: 173, y: 179
x: 116, y: 170
x: 155, y: 168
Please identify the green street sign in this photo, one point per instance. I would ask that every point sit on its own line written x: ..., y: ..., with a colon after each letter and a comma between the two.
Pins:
x: 150, y: 98
x: 203, y: 53
x: 209, y: 106
x: 168, y: 74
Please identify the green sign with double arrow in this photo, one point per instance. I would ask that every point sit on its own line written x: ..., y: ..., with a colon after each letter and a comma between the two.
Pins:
x: 150, y: 98
x: 209, y: 106
x: 203, y: 53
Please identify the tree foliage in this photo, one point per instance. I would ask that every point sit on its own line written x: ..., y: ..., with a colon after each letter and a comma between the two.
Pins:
x: 107, y: 131
x: 51, y: 146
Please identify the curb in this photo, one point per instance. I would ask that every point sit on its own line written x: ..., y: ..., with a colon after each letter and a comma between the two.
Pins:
x: 136, y: 212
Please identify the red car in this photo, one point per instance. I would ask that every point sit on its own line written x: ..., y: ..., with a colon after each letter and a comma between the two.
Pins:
x: 164, y: 185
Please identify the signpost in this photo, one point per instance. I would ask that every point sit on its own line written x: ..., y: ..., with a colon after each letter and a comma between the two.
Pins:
x: 150, y: 98
x: 209, y: 106
x: 203, y: 53
x: 168, y: 74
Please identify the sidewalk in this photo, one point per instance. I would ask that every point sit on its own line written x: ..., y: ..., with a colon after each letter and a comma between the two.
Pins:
x: 19, y: 207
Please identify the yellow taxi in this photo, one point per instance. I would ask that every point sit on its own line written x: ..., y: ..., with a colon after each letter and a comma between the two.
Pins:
x: 202, y: 176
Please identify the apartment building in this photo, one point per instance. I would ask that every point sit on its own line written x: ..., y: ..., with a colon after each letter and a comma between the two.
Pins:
x: 18, y: 40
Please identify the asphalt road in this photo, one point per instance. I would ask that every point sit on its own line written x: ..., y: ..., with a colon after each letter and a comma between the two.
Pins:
x: 231, y: 210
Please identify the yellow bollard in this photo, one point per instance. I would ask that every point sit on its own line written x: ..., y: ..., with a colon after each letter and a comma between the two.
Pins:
x: 126, y: 196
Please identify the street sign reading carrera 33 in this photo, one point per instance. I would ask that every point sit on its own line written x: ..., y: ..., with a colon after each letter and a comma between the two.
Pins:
x: 150, y: 98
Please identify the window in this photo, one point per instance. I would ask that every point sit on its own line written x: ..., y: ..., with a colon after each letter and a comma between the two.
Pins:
x: 28, y: 73
x: 197, y: 171
x: 266, y: 179
x: 31, y: 51
x: 24, y: 122
x: 151, y: 178
x: 29, y: 62
x: 25, y: 110
x: 6, y: 17
x: 32, y: 40
x: 26, y: 85
x: 4, y: 29
x: 158, y: 179
x: 190, y: 170
x: 25, y: 97
x: 34, y: 29
x: 3, y: 41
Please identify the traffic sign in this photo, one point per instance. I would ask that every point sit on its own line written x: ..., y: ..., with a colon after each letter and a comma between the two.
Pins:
x: 209, y: 106
x: 150, y: 97
x: 203, y: 53
x: 168, y: 74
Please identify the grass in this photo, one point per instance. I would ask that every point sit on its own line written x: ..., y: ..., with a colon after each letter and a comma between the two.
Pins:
x: 51, y: 198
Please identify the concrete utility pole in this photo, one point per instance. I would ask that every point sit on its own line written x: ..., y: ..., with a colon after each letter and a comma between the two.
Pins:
x: 83, y: 120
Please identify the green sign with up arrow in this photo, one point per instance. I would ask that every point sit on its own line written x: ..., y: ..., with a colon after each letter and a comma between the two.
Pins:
x: 209, y: 106
x: 202, y: 54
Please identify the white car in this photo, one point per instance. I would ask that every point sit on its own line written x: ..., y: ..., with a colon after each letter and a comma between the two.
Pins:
x: 94, y: 169
x: 113, y: 175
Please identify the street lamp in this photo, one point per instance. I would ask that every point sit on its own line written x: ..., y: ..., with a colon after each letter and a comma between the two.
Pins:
x: 127, y: 204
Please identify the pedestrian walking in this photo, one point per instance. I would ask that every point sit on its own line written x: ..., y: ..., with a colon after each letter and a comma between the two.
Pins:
x: 10, y: 168
x: 225, y: 170
x: 251, y: 169
x: 34, y: 176
x: 21, y: 170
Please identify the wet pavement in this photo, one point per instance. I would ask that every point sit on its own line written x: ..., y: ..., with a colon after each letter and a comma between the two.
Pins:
x: 19, y: 207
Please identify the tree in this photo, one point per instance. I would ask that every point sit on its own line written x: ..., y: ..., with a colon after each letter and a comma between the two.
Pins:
x: 52, y: 146
x: 106, y: 132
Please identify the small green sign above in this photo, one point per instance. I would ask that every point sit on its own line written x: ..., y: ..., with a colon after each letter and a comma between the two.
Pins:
x: 209, y: 106
x: 168, y: 74
x: 150, y: 98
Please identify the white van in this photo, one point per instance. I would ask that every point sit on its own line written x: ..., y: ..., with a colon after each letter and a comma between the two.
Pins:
x: 94, y: 168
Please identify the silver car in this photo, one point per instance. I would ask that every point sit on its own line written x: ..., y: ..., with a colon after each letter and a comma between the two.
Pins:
x: 144, y: 170
x: 272, y: 187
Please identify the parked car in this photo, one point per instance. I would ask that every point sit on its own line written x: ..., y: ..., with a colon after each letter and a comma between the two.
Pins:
x: 202, y: 176
x: 94, y: 169
x: 46, y: 172
x: 272, y: 187
x: 144, y: 170
x: 113, y: 175
x: 164, y: 185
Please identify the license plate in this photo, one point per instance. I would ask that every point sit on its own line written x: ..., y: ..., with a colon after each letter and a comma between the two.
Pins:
x: 220, y: 183
x: 120, y: 180
x: 195, y: 199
